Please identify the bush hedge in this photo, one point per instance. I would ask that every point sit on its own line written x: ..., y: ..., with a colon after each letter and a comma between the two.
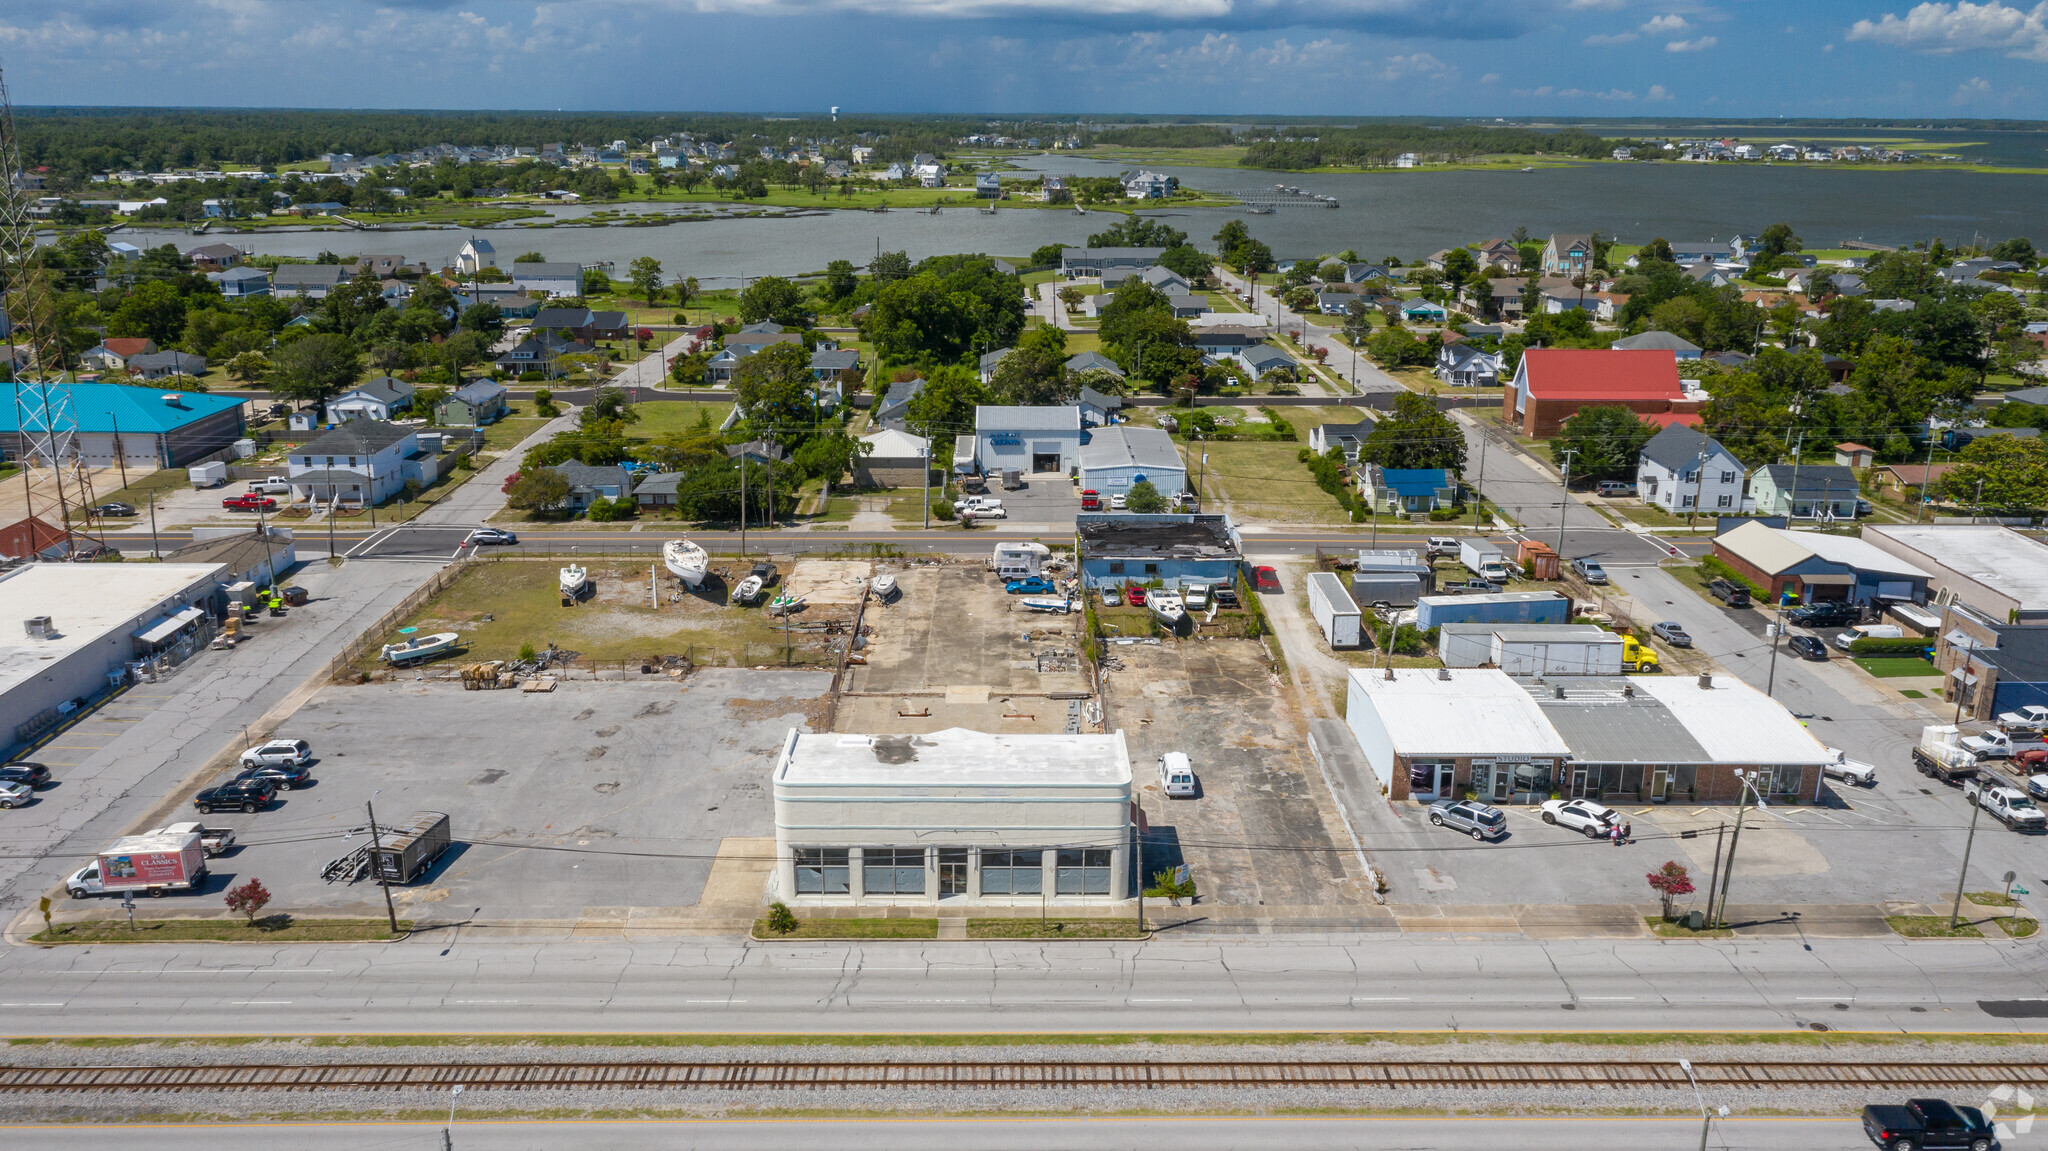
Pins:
x: 1716, y: 569
x: 1329, y: 477
x: 1906, y: 646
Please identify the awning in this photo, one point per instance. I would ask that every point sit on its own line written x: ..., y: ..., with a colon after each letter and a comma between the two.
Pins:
x: 1967, y: 676
x: 1827, y: 580
x: 167, y: 626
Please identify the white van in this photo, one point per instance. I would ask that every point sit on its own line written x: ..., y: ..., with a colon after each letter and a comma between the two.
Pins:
x: 1176, y: 774
x: 1869, y: 631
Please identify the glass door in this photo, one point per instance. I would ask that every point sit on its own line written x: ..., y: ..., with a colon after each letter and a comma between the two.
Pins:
x: 1579, y: 778
x: 1660, y: 785
x: 952, y: 871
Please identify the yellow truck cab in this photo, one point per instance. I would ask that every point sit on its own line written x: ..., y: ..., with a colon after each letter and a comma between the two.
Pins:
x: 1637, y: 656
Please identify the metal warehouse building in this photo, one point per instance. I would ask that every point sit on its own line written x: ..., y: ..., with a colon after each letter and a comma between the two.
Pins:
x: 1115, y: 458
x: 141, y: 427
x: 1029, y: 440
x: 954, y: 816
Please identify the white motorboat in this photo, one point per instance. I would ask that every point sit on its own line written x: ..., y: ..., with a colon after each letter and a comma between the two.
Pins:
x: 686, y: 560
x: 785, y: 604
x: 748, y: 590
x: 884, y: 586
x: 420, y: 647
x: 1046, y: 604
x: 574, y: 579
x: 1167, y: 606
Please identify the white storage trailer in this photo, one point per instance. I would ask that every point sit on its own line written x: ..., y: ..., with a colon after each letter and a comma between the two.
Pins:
x: 1333, y: 609
x: 1580, y: 649
x: 207, y: 475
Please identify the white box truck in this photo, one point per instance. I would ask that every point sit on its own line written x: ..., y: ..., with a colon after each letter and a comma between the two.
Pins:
x: 160, y: 861
x: 210, y: 475
x: 1483, y: 560
x: 1333, y: 609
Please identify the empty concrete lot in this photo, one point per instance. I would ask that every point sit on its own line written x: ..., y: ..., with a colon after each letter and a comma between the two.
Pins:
x: 954, y: 627
x: 595, y: 797
x: 1263, y: 829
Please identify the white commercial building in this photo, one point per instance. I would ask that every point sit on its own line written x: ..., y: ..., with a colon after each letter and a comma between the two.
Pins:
x: 952, y: 817
x: 74, y: 629
x: 1115, y: 458
x: 1028, y: 439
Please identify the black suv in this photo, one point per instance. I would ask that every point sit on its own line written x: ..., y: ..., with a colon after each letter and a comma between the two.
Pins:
x: 1729, y: 592
x: 278, y: 775
x: 1818, y: 615
x: 1924, y: 1124
x: 246, y: 794
x: 33, y: 774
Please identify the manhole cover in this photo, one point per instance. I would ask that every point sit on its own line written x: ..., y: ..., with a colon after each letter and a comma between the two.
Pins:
x: 1819, y: 1027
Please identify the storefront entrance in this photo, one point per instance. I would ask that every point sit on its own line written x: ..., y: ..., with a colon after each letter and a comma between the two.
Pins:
x: 952, y: 871
x: 1045, y: 461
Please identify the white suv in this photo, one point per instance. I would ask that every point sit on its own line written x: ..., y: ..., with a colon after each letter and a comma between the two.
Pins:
x: 1581, y: 815
x: 278, y: 753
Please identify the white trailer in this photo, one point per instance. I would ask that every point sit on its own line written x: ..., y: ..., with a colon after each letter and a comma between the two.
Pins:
x: 1333, y: 609
x: 1552, y: 649
x: 207, y: 475
x: 1019, y: 560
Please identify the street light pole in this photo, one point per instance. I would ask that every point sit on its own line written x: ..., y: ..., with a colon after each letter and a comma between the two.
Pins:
x: 1955, y: 911
x: 1706, y: 1118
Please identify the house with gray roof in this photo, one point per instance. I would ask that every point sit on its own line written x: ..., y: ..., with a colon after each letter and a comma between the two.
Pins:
x: 473, y: 405
x: 892, y: 408
x: 376, y: 399
x: 1093, y: 362
x: 547, y: 279
x: 1259, y: 359
x: 1098, y: 408
x: 986, y: 366
x: 305, y: 281
x: 589, y: 483
x: 242, y: 282
x: 1187, y: 305
x: 1677, y: 345
x: 1108, y: 264
x: 1685, y: 470
x: 1114, y: 459
x: 157, y: 365
x: 1806, y: 491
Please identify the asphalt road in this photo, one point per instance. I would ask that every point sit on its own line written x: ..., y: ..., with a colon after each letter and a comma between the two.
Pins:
x: 1110, y: 1133
x: 442, y: 981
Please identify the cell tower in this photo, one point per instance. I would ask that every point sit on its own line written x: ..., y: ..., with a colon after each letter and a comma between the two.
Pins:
x: 48, y: 447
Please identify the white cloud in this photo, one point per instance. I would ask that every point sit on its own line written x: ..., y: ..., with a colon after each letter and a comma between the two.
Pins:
x: 1420, y: 64
x: 1609, y: 41
x: 1699, y: 45
x: 1972, y: 90
x: 1657, y: 92
x: 1549, y: 93
x: 1942, y: 29
x: 1664, y: 25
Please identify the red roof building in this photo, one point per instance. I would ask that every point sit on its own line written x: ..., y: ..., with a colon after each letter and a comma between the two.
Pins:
x: 1552, y: 384
x: 126, y: 346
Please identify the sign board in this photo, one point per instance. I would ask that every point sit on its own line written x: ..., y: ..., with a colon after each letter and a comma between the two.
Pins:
x: 1180, y: 874
x: 1005, y: 439
x: 150, y: 867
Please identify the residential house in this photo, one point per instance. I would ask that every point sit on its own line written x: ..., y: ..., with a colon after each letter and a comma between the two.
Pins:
x: 547, y: 279
x: 1222, y: 341
x: 538, y: 353
x: 1568, y: 255
x: 1728, y: 359
x: 1150, y: 186
x: 1098, y: 409
x: 892, y: 407
x: 381, y: 267
x: 362, y: 461
x: 988, y: 186
x: 215, y: 257
x: 1499, y: 253
x: 898, y: 459
x: 574, y: 321
x: 1369, y: 274
x: 112, y: 353
x: 1335, y: 303
x: 157, y: 365
x: 657, y: 490
x: 610, y: 326
x: 473, y: 404
x: 1410, y: 490
x: 829, y: 363
x: 1905, y: 482
x: 1107, y: 264
x: 305, y: 281
x: 741, y: 344
x: 1677, y: 345
x: 1093, y: 362
x: 1551, y: 384
x: 1463, y: 366
x: 1684, y: 470
x: 1187, y: 305
x: 241, y: 283
x: 1259, y: 359
x: 1806, y: 491
x: 1422, y: 311
x: 1165, y: 279
x: 986, y: 366
x: 378, y: 399
x: 1349, y: 437
x: 1817, y: 567
x: 589, y: 483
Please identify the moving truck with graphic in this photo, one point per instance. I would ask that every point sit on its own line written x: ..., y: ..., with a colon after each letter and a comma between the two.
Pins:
x: 157, y: 862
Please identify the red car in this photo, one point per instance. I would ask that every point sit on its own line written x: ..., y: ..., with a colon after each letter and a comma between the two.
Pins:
x: 1134, y: 594
x: 1266, y: 579
x: 249, y: 502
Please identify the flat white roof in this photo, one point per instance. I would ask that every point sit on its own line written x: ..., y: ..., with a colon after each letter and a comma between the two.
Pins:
x: 955, y: 757
x: 86, y: 603
x: 1733, y: 721
x: 1997, y: 557
x: 1477, y: 711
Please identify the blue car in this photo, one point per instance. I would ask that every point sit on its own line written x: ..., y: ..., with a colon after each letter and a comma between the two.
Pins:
x: 1035, y: 585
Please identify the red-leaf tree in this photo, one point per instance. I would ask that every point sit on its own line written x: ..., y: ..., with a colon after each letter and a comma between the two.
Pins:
x: 1669, y: 882
x: 250, y: 898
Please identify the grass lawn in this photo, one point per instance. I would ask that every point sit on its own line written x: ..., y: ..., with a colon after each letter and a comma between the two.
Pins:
x: 507, y: 433
x: 1265, y: 481
x: 1932, y: 927
x: 1666, y: 929
x: 1909, y: 693
x: 269, y: 929
x: 852, y: 929
x: 2018, y: 927
x: 670, y: 418
x: 1896, y: 667
x: 1056, y: 928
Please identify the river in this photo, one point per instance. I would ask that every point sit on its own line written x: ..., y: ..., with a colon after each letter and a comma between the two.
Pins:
x: 1406, y: 214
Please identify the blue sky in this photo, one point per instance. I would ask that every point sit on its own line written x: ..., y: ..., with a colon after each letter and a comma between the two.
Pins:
x: 1251, y: 57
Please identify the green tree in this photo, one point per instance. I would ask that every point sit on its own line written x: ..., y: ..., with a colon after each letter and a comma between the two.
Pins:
x: 154, y: 310
x: 1033, y: 374
x: 841, y: 278
x: 313, y: 368
x: 539, y: 490
x: 1779, y: 240
x: 1188, y: 262
x: 775, y: 387
x: 1605, y: 441
x: 1138, y: 232
x: 1048, y: 255
x: 1144, y: 498
x: 249, y: 367
x: 1460, y: 267
x: 944, y: 407
x: 609, y: 404
x: 775, y: 299
x: 830, y: 456
x: 644, y: 273
x: 529, y: 258
x: 1416, y: 434
x: 1999, y: 474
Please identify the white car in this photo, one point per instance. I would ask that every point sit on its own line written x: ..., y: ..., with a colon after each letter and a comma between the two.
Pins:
x: 14, y: 793
x: 1176, y: 774
x: 1840, y: 766
x: 986, y: 512
x: 1116, y: 503
x: 1195, y: 597
x: 1581, y: 815
x: 278, y: 753
x: 2032, y: 715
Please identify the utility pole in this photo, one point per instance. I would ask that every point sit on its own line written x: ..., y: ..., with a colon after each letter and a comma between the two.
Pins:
x: 1479, y: 491
x: 333, y: 502
x: 155, y: 549
x: 376, y: 845
x: 1699, y: 487
x: 1792, y: 503
x: 1777, y: 633
x: 743, y: 501
x: 925, y: 481
x: 1714, y: 877
x: 1564, y: 501
x: 1955, y: 911
x: 1920, y: 513
x: 1748, y: 781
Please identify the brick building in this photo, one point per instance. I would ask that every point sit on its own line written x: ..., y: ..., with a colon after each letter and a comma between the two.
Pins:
x: 1551, y: 384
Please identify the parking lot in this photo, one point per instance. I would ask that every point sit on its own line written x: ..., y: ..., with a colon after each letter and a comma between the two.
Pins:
x: 1046, y: 498
x: 1262, y: 829
x: 564, y: 806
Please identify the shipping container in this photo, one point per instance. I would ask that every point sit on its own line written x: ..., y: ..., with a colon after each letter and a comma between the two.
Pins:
x: 1333, y: 609
x: 1465, y: 644
x: 410, y: 848
x: 1500, y: 607
x: 1537, y: 558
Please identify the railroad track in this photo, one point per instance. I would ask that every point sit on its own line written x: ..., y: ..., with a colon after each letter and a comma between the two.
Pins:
x: 1047, y: 1074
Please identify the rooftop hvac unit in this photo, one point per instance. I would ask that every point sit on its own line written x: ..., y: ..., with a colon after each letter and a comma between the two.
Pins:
x: 39, y: 627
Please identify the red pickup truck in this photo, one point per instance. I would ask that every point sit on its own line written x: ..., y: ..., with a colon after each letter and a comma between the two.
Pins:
x: 1091, y: 500
x: 249, y: 502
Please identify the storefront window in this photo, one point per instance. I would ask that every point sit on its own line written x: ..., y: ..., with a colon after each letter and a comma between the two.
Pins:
x: 892, y: 871
x: 1083, y: 871
x: 1012, y: 872
x: 821, y: 871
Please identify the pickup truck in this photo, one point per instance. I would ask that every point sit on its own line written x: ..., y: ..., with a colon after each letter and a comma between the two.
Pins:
x: 272, y: 486
x: 1999, y: 744
x: 2009, y: 805
x: 1476, y: 586
x: 249, y: 502
x: 2032, y: 715
x: 1926, y: 1124
x: 212, y: 840
x: 1840, y: 766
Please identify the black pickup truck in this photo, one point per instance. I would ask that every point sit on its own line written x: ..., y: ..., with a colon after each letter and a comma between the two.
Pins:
x: 1925, y: 1124
x: 246, y: 794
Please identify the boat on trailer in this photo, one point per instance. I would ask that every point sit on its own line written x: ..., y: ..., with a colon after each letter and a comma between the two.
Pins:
x: 420, y: 647
x: 574, y: 580
x: 686, y: 561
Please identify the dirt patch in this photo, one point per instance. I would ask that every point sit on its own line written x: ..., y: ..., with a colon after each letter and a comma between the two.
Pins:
x: 817, y: 713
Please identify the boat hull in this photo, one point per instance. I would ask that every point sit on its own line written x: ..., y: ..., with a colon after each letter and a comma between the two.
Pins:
x: 686, y: 561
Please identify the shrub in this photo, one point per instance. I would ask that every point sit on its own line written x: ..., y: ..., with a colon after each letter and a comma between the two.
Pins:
x: 1282, y: 430
x: 248, y: 899
x: 1910, y: 645
x: 608, y: 511
x: 943, y: 509
x: 532, y: 377
x: 1716, y: 569
x: 781, y: 920
x: 1444, y: 515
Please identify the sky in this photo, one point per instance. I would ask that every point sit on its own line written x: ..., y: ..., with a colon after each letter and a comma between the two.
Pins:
x: 1564, y: 58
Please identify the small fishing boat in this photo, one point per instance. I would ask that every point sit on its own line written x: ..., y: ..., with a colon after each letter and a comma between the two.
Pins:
x: 420, y: 647
x: 1046, y: 604
x: 686, y: 561
x: 748, y: 591
x: 785, y: 604
x: 574, y: 579
x: 885, y: 587
x: 1167, y: 606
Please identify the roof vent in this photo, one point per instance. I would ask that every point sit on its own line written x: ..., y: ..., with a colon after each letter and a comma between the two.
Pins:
x: 1442, y: 673
x: 1706, y: 682
x: 174, y: 399
x: 1628, y: 691
x: 38, y: 627
x: 1558, y: 691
